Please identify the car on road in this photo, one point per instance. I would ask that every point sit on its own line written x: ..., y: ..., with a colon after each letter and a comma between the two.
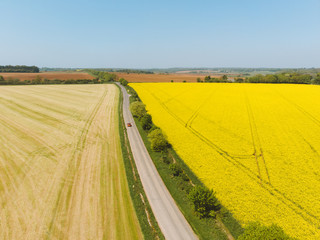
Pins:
x: 129, y: 125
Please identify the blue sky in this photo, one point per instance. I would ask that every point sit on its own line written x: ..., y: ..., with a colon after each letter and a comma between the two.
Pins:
x: 150, y: 34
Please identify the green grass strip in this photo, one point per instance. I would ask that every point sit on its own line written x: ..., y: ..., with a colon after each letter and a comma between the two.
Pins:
x: 148, y: 223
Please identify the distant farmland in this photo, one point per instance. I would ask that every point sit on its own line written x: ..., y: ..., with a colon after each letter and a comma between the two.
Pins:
x: 48, y: 75
x: 135, y: 77
x: 62, y: 174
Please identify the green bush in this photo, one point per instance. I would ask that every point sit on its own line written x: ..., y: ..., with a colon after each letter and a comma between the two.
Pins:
x: 124, y: 82
x: 158, y: 140
x: 138, y: 109
x: 256, y: 231
x: 176, y: 169
x: 185, y: 177
x: 146, y: 122
x: 204, y: 201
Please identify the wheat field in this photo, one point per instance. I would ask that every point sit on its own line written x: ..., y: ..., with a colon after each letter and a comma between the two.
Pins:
x: 61, y: 170
x: 256, y: 145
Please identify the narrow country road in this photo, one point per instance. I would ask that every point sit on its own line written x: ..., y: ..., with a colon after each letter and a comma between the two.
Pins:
x: 171, y: 221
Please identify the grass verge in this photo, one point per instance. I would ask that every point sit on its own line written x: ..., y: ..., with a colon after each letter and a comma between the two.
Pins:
x: 145, y: 215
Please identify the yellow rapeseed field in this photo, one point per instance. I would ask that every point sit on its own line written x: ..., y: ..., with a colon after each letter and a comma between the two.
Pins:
x: 256, y: 145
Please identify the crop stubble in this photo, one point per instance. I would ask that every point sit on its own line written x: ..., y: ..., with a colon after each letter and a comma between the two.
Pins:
x: 61, y: 169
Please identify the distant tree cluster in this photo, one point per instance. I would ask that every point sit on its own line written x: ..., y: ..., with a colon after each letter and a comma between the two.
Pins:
x: 103, y: 77
x: 19, y: 68
x: 40, y: 80
x: 296, y: 78
x: 131, y: 71
x: 209, y: 79
x: 292, y: 77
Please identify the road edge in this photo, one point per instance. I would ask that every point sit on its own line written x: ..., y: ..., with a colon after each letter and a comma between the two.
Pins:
x: 147, y: 220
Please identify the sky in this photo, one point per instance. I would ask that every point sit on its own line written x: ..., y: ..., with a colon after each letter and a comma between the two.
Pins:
x: 160, y: 34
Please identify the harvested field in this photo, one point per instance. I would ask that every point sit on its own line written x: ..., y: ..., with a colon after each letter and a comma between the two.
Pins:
x: 48, y: 75
x: 135, y: 77
x: 61, y: 170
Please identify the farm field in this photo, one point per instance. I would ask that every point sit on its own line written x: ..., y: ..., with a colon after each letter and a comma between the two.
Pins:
x: 135, y: 77
x: 48, y: 75
x: 256, y: 145
x: 61, y: 170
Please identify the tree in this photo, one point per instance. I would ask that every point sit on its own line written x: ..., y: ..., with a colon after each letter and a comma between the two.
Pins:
x: 316, y: 80
x: 239, y: 80
x: 2, y: 81
x: 199, y: 79
x: 146, y: 122
x: 256, y: 231
x: 225, y: 78
x: 138, y: 109
x: 204, y: 201
x: 207, y: 79
x: 37, y: 80
x: 175, y: 169
x: 158, y: 140
x: 124, y: 82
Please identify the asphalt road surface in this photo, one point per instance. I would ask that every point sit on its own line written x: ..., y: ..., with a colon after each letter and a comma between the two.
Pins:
x: 171, y: 221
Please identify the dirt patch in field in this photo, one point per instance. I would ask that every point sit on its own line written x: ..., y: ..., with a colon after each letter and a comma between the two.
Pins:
x: 48, y: 75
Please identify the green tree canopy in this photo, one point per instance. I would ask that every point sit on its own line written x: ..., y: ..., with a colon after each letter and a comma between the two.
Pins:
x: 138, y: 109
x: 146, y: 122
x: 256, y: 231
x: 204, y: 201
x: 158, y: 140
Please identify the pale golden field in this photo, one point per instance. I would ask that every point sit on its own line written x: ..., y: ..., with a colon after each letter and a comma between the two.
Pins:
x: 61, y: 170
x: 256, y: 145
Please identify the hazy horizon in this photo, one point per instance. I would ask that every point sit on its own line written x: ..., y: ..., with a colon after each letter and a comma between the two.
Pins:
x: 166, y: 34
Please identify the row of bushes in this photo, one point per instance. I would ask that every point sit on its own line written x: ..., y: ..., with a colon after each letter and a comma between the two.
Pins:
x: 103, y: 76
x: 296, y: 78
x: 203, y: 200
x: 39, y: 80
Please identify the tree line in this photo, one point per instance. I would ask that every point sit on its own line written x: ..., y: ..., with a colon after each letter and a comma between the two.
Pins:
x: 295, y: 78
x: 209, y: 79
x: 292, y: 78
x: 19, y: 68
x: 103, y: 76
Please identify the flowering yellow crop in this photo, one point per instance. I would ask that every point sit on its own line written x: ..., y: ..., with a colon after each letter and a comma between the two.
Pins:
x: 256, y: 145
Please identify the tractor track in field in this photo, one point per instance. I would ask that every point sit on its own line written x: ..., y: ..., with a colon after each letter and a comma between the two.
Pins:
x: 196, y: 112
x: 301, y: 109
x: 78, y: 149
x: 258, y: 150
x: 294, y: 206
